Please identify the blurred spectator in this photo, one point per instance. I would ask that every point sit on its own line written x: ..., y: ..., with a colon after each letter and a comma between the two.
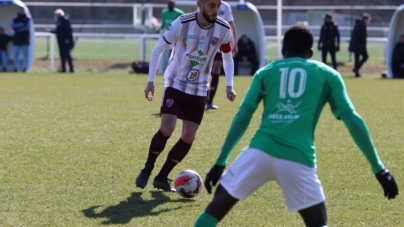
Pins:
x: 21, y: 25
x: 398, y: 59
x: 167, y: 17
x: 64, y: 35
x: 246, y: 53
x: 357, y: 45
x: 329, y: 40
x: 4, y: 39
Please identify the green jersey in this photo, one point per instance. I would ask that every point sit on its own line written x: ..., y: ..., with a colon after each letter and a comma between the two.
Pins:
x: 168, y: 17
x: 294, y: 92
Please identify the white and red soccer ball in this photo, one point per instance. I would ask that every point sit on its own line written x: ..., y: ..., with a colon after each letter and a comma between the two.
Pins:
x: 188, y: 183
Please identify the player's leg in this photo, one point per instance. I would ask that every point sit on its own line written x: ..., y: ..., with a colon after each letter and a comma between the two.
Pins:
x: 170, y: 109
x: 69, y: 59
x: 192, y: 113
x: 314, y: 216
x: 62, y: 52
x: 324, y: 55
x: 217, y: 65
x: 3, y: 56
x: 356, y: 64
x: 365, y: 57
x: 251, y: 169
x: 254, y: 66
x: 25, y: 57
x: 16, y: 50
x: 333, y: 59
x: 220, y: 205
x: 302, y: 191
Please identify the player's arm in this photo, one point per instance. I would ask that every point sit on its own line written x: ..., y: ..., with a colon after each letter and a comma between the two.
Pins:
x: 228, y: 67
x: 360, y: 134
x: 320, y: 40
x: 164, y: 42
x: 343, y: 109
x: 237, y: 129
x: 337, y: 36
x: 234, y: 38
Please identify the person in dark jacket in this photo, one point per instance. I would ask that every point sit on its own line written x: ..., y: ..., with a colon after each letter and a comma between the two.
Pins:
x: 329, y: 40
x: 64, y: 35
x: 21, y: 25
x: 4, y: 39
x: 246, y: 53
x: 398, y: 59
x: 357, y: 45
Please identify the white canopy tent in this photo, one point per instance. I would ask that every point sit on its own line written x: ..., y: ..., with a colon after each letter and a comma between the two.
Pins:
x: 8, y: 10
x: 396, y: 29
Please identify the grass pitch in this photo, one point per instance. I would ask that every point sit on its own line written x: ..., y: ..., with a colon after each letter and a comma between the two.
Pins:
x: 71, y: 146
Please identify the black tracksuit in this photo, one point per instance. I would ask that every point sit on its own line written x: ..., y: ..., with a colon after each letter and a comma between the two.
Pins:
x: 398, y: 60
x: 246, y: 50
x: 357, y: 45
x: 329, y: 42
x: 4, y: 39
x: 64, y: 32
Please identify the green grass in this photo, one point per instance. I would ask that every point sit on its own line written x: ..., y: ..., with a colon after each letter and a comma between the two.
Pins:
x: 129, y: 49
x: 71, y: 147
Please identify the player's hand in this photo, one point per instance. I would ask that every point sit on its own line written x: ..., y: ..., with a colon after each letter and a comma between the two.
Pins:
x: 388, y: 183
x: 231, y: 94
x: 234, y: 51
x: 149, y: 89
x: 213, y: 177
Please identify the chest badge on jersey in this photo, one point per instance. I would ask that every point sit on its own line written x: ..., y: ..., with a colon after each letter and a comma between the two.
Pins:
x: 197, y: 58
x: 214, y: 41
x: 192, y: 75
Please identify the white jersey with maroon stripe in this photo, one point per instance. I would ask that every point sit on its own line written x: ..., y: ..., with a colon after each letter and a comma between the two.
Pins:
x: 194, y: 50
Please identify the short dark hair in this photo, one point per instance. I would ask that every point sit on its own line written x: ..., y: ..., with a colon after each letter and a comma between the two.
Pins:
x: 366, y: 16
x: 298, y: 40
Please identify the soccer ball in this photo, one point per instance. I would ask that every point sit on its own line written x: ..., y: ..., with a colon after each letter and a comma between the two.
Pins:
x: 188, y: 183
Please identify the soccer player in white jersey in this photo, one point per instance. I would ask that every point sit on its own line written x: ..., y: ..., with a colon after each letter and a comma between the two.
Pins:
x: 225, y: 12
x: 196, y: 37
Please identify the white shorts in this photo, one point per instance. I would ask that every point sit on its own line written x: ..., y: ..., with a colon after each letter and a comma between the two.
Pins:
x: 300, y: 185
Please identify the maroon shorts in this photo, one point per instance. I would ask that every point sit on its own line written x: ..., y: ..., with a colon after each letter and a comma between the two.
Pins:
x: 218, y: 56
x: 184, y: 106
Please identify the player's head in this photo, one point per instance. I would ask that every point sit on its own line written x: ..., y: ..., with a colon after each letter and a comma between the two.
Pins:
x: 327, y: 18
x: 171, y: 5
x: 209, y: 9
x: 59, y: 13
x: 21, y: 11
x: 298, y: 42
x: 366, y: 18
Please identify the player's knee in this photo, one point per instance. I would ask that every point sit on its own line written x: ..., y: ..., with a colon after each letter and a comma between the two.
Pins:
x: 167, y: 130
x: 188, y: 137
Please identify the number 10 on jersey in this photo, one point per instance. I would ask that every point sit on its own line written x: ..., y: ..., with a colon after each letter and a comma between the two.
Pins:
x: 288, y: 82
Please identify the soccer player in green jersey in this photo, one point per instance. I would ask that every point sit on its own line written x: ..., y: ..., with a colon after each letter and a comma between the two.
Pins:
x: 294, y: 91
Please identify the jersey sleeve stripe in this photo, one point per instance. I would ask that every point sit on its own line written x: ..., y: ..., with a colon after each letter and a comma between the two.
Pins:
x: 223, y: 24
x: 166, y: 40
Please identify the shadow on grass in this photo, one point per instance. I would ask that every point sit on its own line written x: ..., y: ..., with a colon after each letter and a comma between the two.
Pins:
x: 134, y: 206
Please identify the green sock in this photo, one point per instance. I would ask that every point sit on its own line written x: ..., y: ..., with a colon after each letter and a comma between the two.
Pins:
x: 205, y: 220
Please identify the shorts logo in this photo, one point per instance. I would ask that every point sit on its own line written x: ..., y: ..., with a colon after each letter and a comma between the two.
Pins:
x: 192, y: 75
x: 169, y: 102
x: 215, y: 40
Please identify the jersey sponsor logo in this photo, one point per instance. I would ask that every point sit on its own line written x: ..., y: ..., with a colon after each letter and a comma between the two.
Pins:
x: 169, y: 102
x: 189, y: 36
x: 169, y: 27
x: 202, y: 41
x: 286, y: 113
x: 197, y: 57
x: 214, y: 41
x: 192, y: 75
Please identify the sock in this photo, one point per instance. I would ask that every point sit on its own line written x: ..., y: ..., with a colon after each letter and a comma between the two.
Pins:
x: 213, y: 87
x: 177, y: 153
x: 157, y: 145
x: 205, y: 220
